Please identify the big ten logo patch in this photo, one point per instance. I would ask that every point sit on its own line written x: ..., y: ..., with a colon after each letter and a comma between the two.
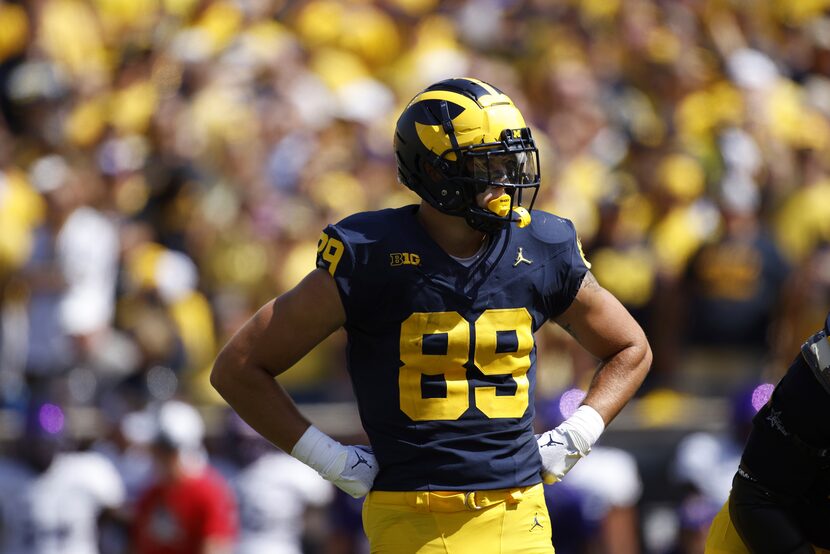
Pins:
x: 404, y: 258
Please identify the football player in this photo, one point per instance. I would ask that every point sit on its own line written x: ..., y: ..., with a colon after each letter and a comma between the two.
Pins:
x: 440, y: 302
x: 780, y: 498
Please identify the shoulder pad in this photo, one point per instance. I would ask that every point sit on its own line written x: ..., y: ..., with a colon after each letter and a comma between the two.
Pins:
x: 551, y: 229
x: 368, y: 227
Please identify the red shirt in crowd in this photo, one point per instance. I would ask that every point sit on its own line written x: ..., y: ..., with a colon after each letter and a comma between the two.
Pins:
x: 179, y: 517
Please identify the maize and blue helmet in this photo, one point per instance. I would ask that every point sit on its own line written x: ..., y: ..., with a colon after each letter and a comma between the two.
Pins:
x: 457, y: 138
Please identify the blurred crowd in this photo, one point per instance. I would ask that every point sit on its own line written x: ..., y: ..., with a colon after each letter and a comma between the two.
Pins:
x: 166, y: 167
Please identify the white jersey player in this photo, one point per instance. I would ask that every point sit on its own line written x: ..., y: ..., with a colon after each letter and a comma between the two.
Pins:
x: 56, y: 511
x: 273, y: 493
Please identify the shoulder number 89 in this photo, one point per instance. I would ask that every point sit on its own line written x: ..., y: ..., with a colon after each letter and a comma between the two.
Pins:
x: 448, y: 337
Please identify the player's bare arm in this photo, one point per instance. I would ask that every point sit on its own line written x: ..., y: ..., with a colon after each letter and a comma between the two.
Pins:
x: 282, y: 332
x: 274, y: 339
x: 602, y: 325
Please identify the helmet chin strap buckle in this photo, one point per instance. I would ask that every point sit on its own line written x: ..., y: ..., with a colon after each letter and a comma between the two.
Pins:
x: 524, y: 216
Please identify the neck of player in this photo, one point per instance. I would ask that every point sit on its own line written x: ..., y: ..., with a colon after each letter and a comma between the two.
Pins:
x: 450, y: 232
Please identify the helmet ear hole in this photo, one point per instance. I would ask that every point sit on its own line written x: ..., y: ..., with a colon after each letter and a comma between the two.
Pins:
x: 436, y: 171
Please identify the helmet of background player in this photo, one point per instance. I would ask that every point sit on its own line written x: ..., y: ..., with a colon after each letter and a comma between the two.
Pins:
x: 457, y: 138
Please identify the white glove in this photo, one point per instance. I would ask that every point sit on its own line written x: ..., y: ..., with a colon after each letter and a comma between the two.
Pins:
x: 562, y: 447
x: 350, y: 468
x: 358, y: 472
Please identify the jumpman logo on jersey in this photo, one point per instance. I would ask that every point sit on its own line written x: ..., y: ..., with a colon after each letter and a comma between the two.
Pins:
x: 361, y: 460
x: 520, y: 258
x: 551, y: 442
x: 536, y: 523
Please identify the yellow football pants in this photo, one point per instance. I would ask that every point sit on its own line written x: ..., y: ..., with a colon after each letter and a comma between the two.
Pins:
x: 724, y: 539
x: 485, y: 522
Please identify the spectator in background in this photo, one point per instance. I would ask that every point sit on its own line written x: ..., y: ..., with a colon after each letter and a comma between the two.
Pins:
x: 126, y: 446
x: 704, y: 465
x: 51, y: 498
x: 71, y: 274
x: 577, y: 526
x: 732, y: 291
x: 190, y: 508
x: 705, y: 462
x: 170, y: 320
x: 277, y: 495
x: 694, y: 516
x: 346, y: 535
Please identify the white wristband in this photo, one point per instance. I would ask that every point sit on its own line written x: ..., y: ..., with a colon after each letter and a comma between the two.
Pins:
x: 320, y: 452
x: 587, y: 422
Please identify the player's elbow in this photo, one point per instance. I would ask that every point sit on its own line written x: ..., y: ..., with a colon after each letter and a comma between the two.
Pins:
x: 221, y: 375
x: 642, y: 354
x: 648, y: 357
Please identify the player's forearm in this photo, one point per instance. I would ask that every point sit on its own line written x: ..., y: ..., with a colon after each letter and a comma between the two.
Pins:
x: 618, y: 379
x: 614, y: 384
x: 259, y: 400
x: 602, y: 325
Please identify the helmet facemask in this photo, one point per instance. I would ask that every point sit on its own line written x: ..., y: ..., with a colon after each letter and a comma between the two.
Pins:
x: 511, y: 164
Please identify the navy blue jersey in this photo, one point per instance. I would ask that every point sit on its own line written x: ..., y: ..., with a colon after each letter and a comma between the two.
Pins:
x: 442, y: 356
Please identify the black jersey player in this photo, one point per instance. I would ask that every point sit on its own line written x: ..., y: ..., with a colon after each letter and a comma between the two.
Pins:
x: 780, y: 498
